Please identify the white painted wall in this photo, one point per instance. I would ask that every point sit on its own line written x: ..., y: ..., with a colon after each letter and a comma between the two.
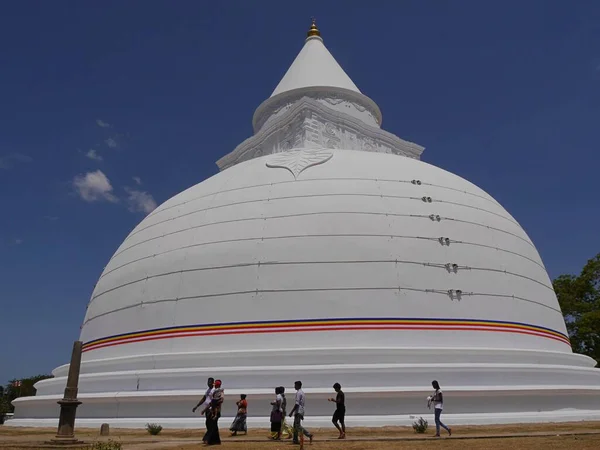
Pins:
x: 251, y: 240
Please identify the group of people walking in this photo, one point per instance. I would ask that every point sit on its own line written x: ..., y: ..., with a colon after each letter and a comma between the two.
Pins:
x: 280, y: 428
x: 213, y: 398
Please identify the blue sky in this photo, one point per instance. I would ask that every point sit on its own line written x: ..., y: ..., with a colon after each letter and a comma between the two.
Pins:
x: 505, y: 94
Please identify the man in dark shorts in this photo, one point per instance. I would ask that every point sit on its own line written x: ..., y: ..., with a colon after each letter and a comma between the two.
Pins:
x: 340, y: 410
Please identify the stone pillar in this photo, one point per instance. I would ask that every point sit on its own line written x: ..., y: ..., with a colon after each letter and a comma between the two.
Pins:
x: 69, y: 403
x: 104, y: 429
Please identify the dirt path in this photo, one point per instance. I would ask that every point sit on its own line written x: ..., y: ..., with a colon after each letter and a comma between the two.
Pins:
x: 561, y: 436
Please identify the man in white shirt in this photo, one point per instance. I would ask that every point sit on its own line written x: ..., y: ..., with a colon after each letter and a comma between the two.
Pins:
x: 205, y: 402
x: 298, y: 413
x: 438, y: 403
x: 207, y: 397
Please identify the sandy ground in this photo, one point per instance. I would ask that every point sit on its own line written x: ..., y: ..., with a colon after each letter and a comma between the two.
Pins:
x: 562, y: 436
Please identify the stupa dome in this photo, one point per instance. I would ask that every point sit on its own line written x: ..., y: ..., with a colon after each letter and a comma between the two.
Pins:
x: 356, y: 240
x: 326, y: 251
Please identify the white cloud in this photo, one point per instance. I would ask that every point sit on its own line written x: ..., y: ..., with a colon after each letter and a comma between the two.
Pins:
x: 102, y: 124
x: 111, y: 143
x: 18, y: 241
x: 137, y: 180
x: 140, y: 201
x: 94, y: 186
x: 8, y: 161
x: 93, y: 154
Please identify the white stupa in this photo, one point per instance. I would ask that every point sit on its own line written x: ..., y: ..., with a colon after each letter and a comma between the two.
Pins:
x: 325, y: 251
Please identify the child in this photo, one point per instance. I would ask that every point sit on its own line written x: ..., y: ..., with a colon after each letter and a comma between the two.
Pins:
x: 214, y: 406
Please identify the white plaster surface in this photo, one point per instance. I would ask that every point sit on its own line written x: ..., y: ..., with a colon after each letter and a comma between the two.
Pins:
x: 314, y: 66
x: 349, y: 238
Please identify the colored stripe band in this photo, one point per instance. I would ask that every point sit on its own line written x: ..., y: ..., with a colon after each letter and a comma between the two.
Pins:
x: 341, y: 324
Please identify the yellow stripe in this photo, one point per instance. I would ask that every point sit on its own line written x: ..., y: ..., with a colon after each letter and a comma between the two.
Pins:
x: 251, y: 326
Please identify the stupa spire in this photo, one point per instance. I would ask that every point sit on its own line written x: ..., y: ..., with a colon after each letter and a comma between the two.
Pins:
x: 314, y: 67
x: 313, y: 31
x: 315, y: 106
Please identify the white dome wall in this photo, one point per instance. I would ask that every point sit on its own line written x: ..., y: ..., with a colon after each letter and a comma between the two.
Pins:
x: 337, y: 231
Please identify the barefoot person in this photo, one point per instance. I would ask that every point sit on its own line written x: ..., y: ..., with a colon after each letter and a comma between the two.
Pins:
x: 286, y: 430
x: 298, y: 413
x: 340, y: 410
x: 239, y: 423
x: 213, y: 413
x: 276, y: 415
x: 205, y: 401
x: 437, y: 399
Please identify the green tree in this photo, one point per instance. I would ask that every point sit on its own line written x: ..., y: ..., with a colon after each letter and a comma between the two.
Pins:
x: 4, y: 405
x: 18, y: 388
x: 579, y: 298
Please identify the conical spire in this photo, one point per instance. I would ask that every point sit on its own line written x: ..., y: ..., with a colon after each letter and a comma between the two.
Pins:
x: 315, y: 106
x: 314, y: 66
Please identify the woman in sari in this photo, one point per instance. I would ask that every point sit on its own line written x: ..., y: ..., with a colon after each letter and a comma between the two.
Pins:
x: 239, y: 423
x: 286, y: 430
x: 276, y: 415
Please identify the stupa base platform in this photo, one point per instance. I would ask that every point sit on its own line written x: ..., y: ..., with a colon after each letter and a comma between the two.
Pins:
x: 378, y: 407
x: 481, y: 386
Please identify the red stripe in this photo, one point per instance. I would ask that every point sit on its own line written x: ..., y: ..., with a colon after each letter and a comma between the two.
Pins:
x: 329, y: 328
x: 358, y: 324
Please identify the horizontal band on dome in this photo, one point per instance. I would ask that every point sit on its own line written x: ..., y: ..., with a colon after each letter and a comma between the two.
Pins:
x: 319, y: 195
x: 314, y: 213
x: 162, y: 209
x: 335, y: 324
x: 312, y: 236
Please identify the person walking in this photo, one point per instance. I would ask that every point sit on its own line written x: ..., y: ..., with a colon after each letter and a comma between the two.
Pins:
x: 206, y: 401
x: 213, y: 414
x: 437, y: 399
x: 340, y: 410
x: 239, y: 423
x: 276, y: 415
x: 286, y: 430
x: 298, y: 413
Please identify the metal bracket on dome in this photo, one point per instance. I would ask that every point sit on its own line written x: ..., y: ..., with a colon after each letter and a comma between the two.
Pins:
x: 455, y: 294
x: 444, y: 241
x: 451, y: 268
